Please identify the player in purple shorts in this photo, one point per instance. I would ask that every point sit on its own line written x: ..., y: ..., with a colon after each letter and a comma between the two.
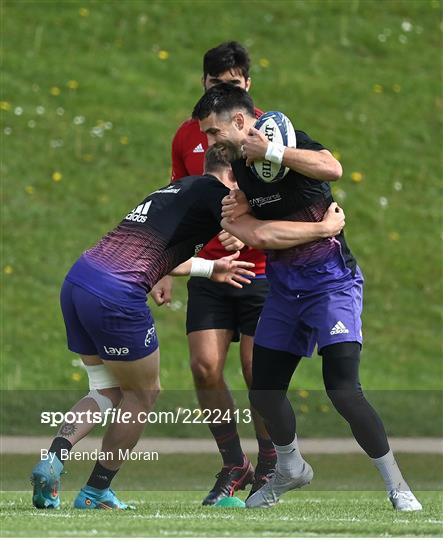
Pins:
x: 109, y: 325
x: 315, y: 296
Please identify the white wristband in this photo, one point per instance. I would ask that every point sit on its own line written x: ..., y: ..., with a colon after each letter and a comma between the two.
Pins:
x: 275, y: 152
x: 201, y: 267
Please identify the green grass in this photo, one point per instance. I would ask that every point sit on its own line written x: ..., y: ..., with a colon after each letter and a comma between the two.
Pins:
x: 325, y: 60
x: 346, y: 498
x: 181, y: 514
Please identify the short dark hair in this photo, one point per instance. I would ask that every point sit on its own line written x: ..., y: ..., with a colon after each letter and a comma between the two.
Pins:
x: 223, y: 97
x: 220, y: 156
x: 227, y: 56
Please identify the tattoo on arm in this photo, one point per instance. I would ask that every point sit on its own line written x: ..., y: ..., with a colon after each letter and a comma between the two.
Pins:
x: 67, y: 430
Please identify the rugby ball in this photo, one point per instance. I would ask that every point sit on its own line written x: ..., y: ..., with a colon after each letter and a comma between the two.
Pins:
x: 277, y: 128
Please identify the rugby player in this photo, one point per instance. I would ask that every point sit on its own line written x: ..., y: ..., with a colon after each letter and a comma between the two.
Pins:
x: 218, y: 314
x: 109, y: 325
x: 315, y: 295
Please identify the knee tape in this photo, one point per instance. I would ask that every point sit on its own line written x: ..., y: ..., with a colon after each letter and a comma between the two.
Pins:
x: 103, y: 402
x: 100, y: 377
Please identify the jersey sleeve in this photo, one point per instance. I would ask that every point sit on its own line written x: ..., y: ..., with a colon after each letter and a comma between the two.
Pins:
x: 304, y: 142
x: 178, y: 165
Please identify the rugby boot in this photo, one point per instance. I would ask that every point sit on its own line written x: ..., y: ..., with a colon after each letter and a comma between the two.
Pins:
x: 404, y: 501
x: 263, y: 473
x: 91, y: 498
x: 45, y: 478
x: 230, y: 479
x: 270, y: 493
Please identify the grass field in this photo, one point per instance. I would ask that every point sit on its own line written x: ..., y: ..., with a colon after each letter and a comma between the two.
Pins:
x: 346, y: 498
x: 91, y: 95
x: 181, y: 514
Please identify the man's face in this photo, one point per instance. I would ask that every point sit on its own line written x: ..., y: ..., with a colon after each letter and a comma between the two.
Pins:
x: 224, y: 127
x: 234, y: 77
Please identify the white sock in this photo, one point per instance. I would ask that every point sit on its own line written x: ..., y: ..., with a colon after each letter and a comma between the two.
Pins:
x: 289, y: 459
x: 390, y: 472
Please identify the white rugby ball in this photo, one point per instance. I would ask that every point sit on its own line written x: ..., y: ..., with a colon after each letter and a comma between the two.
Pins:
x: 277, y: 128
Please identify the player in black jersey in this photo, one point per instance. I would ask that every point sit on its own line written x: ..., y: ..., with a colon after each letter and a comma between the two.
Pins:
x: 315, y: 294
x: 109, y: 325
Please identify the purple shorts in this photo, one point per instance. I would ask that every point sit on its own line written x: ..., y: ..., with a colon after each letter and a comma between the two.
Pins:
x: 95, y: 326
x: 298, y: 324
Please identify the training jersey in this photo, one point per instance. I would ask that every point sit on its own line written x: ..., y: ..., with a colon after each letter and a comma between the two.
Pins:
x: 307, y: 267
x: 188, y: 152
x: 164, y: 230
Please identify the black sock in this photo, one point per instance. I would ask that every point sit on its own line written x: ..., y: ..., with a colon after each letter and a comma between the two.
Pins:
x: 59, y: 444
x: 228, y: 442
x: 101, y: 477
x: 267, y: 456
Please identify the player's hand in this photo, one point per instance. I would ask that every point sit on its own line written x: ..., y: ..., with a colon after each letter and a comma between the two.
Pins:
x: 334, y: 220
x: 235, y: 205
x: 235, y: 273
x: 161, y: 292
x: 254, y: 146
x: 229, y: 242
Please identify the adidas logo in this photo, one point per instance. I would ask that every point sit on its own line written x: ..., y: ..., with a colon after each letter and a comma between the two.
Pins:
x: 339, y: 328
x: 198, y: 149
x: 139, y: 214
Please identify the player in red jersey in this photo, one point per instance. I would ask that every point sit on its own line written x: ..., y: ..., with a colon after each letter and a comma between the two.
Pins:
x: 216, y: 315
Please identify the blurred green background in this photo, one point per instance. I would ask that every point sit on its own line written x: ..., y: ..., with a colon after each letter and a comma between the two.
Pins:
x: 92, y: 93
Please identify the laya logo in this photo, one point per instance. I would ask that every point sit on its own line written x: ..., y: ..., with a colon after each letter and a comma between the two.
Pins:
x: 117, y: 351
x: 150, y: 336
x: 139, y: 214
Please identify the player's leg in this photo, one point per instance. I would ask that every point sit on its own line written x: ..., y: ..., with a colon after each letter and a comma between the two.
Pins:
x: 337, y: 316
x: 139, y: 383
x: 249, y: 305
x: 272, y: 372
x: 280, y: 341
x: 267, y: 457
x: 124, y: 338
x: 210, y: 326
x: 104, y: 393
x: 208, y: 349
x: 341, y: 377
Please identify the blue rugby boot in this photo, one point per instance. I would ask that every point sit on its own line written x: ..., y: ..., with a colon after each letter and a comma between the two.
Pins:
x: 46, y: 481
x: 91, y: 498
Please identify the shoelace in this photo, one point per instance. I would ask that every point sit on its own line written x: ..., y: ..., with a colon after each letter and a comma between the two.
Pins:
x: 222, y: 476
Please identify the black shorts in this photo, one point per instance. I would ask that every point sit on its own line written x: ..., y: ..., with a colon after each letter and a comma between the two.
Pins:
x: 220, y: 306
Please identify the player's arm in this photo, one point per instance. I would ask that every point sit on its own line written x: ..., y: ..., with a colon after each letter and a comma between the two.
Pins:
x: 223, y: 270
x: 319, y: 165
x: 271, y: 234
x: 315, y: 164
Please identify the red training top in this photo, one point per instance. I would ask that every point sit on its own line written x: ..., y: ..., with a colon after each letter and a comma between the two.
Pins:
x: 188, y: 150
